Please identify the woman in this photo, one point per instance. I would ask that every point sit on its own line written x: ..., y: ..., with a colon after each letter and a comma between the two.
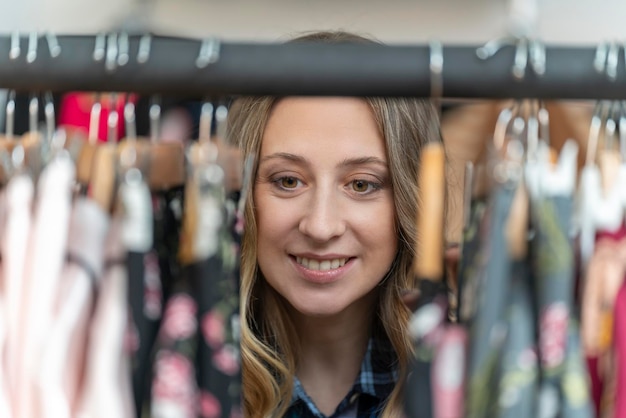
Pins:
x: 328, y: 250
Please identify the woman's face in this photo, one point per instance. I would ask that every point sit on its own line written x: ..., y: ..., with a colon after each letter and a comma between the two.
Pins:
x: 324, y: 205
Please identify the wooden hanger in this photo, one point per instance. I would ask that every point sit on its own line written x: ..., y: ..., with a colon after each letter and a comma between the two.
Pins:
x: 191, y: 218
x: 431, y: 188
x: 166, y: 161
x: 102, y: 182
x: 186, y: 252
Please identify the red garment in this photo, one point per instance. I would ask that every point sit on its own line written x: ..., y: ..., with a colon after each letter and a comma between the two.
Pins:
x: 596, y: 382
x: 603, y: 282
x: 619, y: 340
x: 75, y: 112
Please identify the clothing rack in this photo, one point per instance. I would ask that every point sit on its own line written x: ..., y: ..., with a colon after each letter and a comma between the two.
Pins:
x: 301, y: 69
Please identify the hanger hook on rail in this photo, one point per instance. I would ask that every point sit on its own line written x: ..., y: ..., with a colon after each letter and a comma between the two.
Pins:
x: 526, y: 50
x: 436, y: 74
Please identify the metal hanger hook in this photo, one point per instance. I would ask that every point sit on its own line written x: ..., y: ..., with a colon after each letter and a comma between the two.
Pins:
x: 206, y: 121
x: 502, y: 124
x: 123, y: 49
x: 94, y: 119
x: 99, y: 49
x: 145, y: 44
x: 15, y: 51
x: 33, y: 113
x: 49, y: 114
x: 53, y: 44
x: 525, y: 50
x: 209, y: 52
x: 606, y: 60
x: 31, y: 54
x: 130, y: 118
x: 436, y: 73
x: 221, y: 118
x: 599, y: 113
x: 155, y: 118
x: 111, y: 52
x: 113, y: 119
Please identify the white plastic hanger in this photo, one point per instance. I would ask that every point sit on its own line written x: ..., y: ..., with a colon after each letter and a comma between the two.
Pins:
x: 597, y: 210
x: 543, y: 176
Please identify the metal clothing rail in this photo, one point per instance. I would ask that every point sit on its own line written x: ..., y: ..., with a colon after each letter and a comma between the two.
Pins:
x: 299, y: 69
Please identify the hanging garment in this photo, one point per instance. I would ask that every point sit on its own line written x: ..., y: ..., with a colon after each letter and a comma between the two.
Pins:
x: 604, y: 276
x: 197, y: 365
x: 518, y: 370
x: 174, y: 386
x: 551, y: 185
x: 553, y: 274
x: 219, y: 364
x: 107, y: 387
x: 138, y: 237
x: 620, y: 353
x: 426, y: 328
x: 5, y: 403
x: 575, y: 385
x: 47, y: 246
x: 19, y: 198
x: 63, y: 362
x: 145, y: 298
x: 448, y: 375
x: 470, y: 262
x: 487, y: 327
x: 162, y: 270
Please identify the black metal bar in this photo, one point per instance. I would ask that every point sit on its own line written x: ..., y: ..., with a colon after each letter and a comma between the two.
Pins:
x: 306, y: 69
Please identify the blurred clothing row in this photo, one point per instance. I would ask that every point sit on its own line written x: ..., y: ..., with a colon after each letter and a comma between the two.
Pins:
x: 124, y: 309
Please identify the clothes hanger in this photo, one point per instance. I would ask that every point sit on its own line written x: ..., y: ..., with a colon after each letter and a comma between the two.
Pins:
x: 524, y: 131
x: 166, y: 160
x: 609, y: 158
x: 85, y: 148
x: 597, y: 210
x: 621, y: 174
x: 7, y: 142
x: 134, y: 199
x: 103, y: 176
x: 428, y: 267
x: 549, y: 172
x: 203, y: 210
x: 168, y: 157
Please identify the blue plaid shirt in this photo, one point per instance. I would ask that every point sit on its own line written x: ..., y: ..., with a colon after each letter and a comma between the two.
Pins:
x: 376, y: 380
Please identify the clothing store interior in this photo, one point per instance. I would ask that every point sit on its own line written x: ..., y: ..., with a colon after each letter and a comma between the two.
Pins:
x: 313, y: 209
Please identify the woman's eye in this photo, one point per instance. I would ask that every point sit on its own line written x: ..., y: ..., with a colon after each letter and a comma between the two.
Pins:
x: 363, y: 186
x: 288, y: 182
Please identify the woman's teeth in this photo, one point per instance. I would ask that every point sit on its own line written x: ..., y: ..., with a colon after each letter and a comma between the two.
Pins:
x: 321, y: 265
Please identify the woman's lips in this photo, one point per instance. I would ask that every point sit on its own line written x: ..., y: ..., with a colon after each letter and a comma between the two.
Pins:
x: 320, y: 273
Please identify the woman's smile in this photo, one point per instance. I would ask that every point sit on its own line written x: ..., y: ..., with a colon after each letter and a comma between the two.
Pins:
x: 322, y: 270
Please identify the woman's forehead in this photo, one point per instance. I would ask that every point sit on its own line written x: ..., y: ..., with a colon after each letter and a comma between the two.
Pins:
x: 334, y: 124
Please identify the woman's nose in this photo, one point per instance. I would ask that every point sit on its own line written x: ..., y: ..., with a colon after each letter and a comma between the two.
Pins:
x: 323, y: 219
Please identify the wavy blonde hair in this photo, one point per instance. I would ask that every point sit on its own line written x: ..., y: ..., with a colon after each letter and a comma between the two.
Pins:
x: 269, y: 342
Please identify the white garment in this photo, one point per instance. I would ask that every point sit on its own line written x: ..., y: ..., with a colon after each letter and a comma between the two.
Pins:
x: 14, y: 244
x: 107, y: 386
x: 64, y: 358
x: 4, y: 395
x: 47, y: 247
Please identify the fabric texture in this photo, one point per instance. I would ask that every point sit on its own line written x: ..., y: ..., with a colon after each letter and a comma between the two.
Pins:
x: 375, y: 382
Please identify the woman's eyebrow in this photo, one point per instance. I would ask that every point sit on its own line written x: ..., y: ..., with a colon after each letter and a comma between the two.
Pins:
x: 350, y: 162
x: 285, y: 156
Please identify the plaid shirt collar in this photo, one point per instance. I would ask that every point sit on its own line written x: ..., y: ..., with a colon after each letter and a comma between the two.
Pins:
x: 376, y: 380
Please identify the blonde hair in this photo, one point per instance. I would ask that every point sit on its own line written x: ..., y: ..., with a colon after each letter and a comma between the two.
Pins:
x: 269, y: 342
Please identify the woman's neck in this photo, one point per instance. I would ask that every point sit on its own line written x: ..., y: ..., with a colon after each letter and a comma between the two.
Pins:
x: 331, y: 352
